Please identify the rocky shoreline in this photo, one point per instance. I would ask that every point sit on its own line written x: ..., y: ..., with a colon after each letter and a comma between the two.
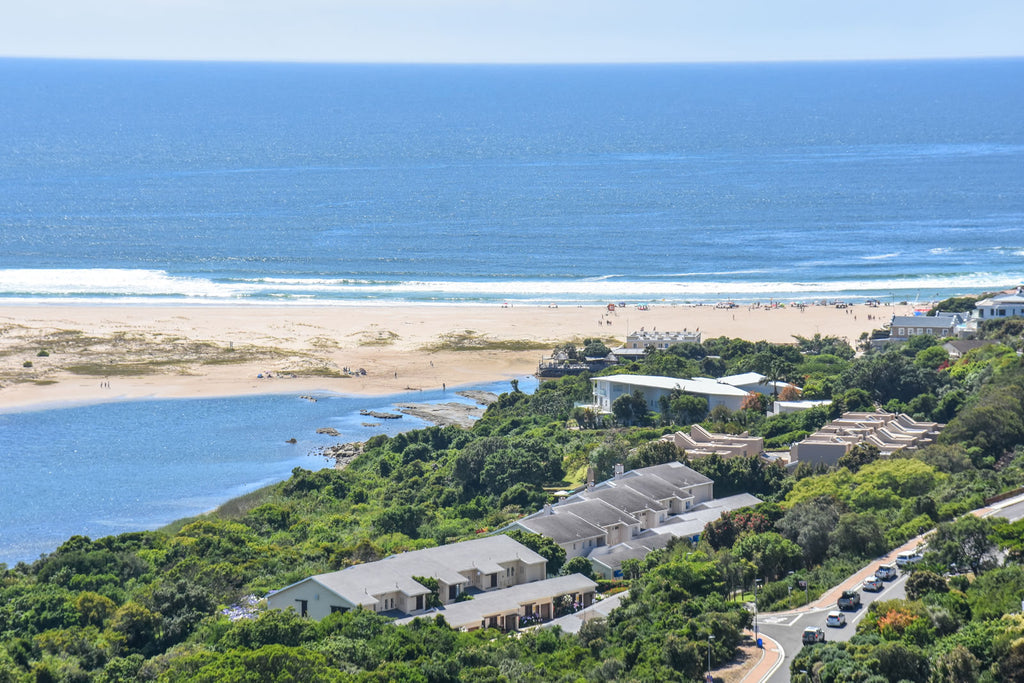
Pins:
x: 440, y: 414
x: 451, y: 413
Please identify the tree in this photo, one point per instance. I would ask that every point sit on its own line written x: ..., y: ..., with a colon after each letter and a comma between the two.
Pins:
x: 137, y: 624
x: 772, y: 554
x: 653, y: 453
x: 1011, y: 665
x: 859, y: 455
x: 630, y: 409
x: 631, y: 568
x: 595, y: 348
x: 956, y: 666
x: 857, y: 400
x: 857, y: 535
x: 889, y: 375
x: 610, y: 452
x: 543, y: 546
x: 964, y: 543
x: 923, y: 582
x: 993, y: 423
x: 578, y: 565
x: 809, y: 525
x: 931, y: 358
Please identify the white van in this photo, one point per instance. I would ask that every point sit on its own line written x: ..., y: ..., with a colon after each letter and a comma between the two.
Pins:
x: 908, y: 557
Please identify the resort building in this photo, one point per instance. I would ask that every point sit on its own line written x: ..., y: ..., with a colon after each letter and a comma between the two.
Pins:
x: 390, y: 585
x: 637, y: 343
x: 903, y: 327
x: 701, y: 442
x: 653, y: 388
x: 631, y: 514
x: 1001, y: 305
x: 889, y: 432
x: 660, y: 340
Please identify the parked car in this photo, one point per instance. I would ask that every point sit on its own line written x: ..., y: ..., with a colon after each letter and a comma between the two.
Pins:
x: 873, y: 584
x: 813, y: 634
x: 908, y: 558
x: 835, y: 619
x: 849, y: 600
x: 887, y: 572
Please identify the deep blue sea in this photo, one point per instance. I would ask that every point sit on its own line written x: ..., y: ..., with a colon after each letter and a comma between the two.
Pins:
x: 271, y: 182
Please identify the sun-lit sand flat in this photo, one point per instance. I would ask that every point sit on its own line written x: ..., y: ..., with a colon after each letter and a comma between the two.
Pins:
x: 60, y: 354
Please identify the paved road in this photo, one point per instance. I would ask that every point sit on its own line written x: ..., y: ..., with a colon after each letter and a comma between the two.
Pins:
x: 1011, y: 512
x: 787, y: 627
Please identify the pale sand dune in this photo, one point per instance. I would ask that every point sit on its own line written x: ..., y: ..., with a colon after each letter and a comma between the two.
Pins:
x: 383, y: 340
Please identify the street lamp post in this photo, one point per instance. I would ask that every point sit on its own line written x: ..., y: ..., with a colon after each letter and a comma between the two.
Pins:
x: 756, y: 583
x: 710, y: 638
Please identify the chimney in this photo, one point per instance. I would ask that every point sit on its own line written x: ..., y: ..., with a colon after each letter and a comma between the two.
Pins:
x: 547, y: 509
x: 619, y: 470
x: 590, y: 477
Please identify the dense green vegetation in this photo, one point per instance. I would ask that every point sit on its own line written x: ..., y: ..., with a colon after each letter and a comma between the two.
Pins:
x: 147, y: 605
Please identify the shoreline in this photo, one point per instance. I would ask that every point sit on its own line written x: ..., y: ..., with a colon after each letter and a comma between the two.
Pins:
x: 120, y: 352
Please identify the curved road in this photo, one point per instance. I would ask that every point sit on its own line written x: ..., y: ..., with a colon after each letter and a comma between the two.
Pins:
x: 786, y: 628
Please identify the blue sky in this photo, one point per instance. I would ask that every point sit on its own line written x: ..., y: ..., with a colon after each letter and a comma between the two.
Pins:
x: 512, y: 31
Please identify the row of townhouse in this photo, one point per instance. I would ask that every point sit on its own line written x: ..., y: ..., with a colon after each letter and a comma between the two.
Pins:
x: 889, y: 432
x: 700, y: 442
x: 493, y: 566
x: 631, y: 514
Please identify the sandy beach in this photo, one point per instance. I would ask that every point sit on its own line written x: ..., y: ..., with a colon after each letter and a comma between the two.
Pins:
x: 84, y: 353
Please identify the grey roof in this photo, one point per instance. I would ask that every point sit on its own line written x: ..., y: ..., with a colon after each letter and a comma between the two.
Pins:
x: 675, y: 473
x: 472, y: 612
x: 1013, y: 297
x: 692, y: 522
x: 571, y: 623
x: 941, y: 321
x: 707, y: 387
x: 745, y: 378
x: 360, y: 583
x: 636, y: 548
x: 561, y: 528
x: 651, y: 486
x: 729, y: 503
x: 597, y: 512
x: 630, y: 500
x: 962, y: 346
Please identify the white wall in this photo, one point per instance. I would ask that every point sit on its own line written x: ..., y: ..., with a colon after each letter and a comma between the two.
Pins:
x: 318, y: 600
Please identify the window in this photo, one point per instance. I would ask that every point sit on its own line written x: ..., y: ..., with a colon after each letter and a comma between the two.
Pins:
x: 419, y: 602
x: 338, y: 608
x: 453, y: 592
x: 303, y: 608
x: 494, y: 580
x: 901, y: 332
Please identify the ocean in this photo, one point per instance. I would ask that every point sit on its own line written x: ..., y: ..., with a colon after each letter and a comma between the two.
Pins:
x: 258, y: 183
x: 147, y: 182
